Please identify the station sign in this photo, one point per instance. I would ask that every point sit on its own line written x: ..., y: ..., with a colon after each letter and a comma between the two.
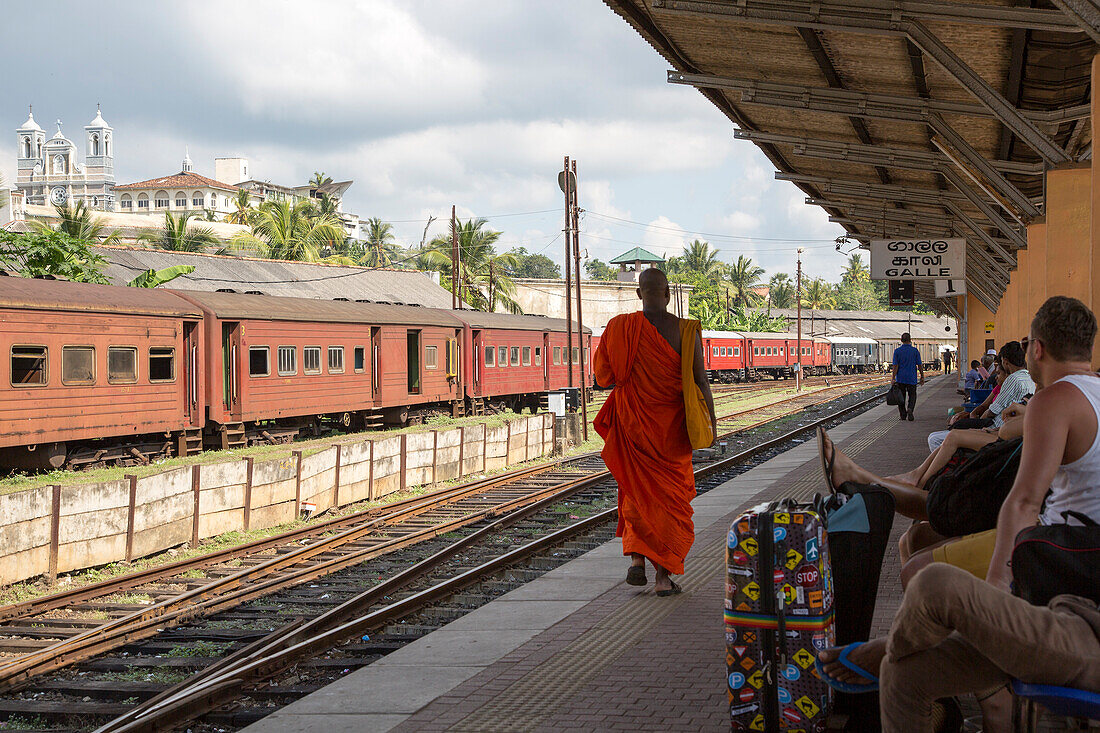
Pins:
x: 902, y: 293
x: 918, y: 259
x: 950, y: 288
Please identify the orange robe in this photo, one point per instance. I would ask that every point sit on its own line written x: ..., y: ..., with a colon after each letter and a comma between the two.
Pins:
x: 646, y: 444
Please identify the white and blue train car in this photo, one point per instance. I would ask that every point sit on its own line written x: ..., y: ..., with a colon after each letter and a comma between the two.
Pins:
x: 855, y: 354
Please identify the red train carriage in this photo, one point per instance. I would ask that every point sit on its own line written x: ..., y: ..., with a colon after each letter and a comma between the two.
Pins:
x: 87, y: 363
x: 512, y: 361
x: 724, y: 356
x: 770, y: 354
x: 281, y: 364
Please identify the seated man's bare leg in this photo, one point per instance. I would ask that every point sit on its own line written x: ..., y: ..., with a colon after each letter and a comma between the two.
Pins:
x: 918, y: 537
x: 912, y: 477
x: 972, y: 439
x: 908, y: 499
x: 868, y: 656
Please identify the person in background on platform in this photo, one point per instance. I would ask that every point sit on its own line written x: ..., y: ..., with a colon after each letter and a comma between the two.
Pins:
x: 956, y: 633
x: 646, y: 444
x: 947, y: 362
x: 906, y: 364
x: 971, y: 378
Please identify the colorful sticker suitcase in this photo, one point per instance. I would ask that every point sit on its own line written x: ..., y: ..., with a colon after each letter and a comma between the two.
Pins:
x: 779, y: 612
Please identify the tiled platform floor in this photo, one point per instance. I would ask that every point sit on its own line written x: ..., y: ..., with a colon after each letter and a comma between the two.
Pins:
x: 578, y: 649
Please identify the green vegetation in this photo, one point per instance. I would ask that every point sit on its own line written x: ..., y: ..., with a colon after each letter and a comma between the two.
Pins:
x: 166, y: 676
x: 533, y: 265
x: 199, y: 649
x: 176, y: 236
x: 155, y: 278
x: 598, y: 270
x: 80, y: 223
x: 380, y: 248
x: 292, y: 231
x: 483, y: 274
x: 20, y: 722
x: 50, y: 253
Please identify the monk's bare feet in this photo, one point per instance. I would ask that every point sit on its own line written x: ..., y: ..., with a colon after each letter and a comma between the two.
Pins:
x: 869, y: 656
x: 663, y: 582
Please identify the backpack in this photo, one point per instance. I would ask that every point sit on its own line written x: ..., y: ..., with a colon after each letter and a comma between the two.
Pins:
x: 968, y: 499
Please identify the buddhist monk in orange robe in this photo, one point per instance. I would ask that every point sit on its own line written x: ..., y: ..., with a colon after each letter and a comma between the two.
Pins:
x: 646, y: 444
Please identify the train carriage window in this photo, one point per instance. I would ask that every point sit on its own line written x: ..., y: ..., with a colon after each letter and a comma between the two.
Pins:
x: 28, y: 365
x: 557, y: 355
x: 756, y: 351
x: 490, y: 356
x: 78, y: 365
x: 737, y: 351
x: 538, y: 356
x: 121, y: 364
x: 526, y: 356
x: 576, y: 354
x: 336, y: 360
x: 715, y: 351
x: 502, y: 356
x: 259, y: 361
x: 311, y: 360
x: 162, y: 364
x: 288, y: 360
x: 515, y: 356
x: 360, y: 359
x: 431, y: 357
x: 587, y: 357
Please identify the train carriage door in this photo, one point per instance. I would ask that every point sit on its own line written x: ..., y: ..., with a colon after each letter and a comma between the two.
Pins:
x: 412, y: 361
x: 231, y: 396
x: 454, y: 371
x: 478, y: 362
x: 190, y: 362
x: 546, y: 361
x: 375, y: 362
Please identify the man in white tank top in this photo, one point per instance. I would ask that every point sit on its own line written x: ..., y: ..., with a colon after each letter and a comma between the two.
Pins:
x: 956, y: 634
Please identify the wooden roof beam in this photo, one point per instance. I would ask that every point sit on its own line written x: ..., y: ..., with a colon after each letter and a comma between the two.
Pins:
x: 1085, y: 13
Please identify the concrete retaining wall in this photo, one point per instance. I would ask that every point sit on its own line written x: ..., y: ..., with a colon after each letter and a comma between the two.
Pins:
x: 54, y: 529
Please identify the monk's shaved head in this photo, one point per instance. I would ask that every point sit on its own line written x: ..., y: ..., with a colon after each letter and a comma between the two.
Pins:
x: 652, y: 279
x: 653, y: 290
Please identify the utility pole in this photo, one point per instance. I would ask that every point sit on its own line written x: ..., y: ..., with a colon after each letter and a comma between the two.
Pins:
x: 798, y: 300
x: 454, y: 261
x: 567, y: 188
x: 580, y: 324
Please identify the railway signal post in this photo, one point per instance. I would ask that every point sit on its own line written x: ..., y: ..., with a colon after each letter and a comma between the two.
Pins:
x: 798, y: 301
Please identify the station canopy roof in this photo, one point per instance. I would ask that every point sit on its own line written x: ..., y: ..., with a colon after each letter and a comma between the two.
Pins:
x: 900, y: 118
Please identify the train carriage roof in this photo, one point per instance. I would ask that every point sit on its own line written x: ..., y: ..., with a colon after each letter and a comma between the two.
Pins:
x: 241, y: 307
x: 722, y: 335
x: 61, y: 295
x: 849, y: 340
x: 772, y: 335
x: 480, y: 319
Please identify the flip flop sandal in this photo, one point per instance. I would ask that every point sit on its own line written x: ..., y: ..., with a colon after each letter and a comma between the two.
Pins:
x: 636, y: 575
x: 674, y: 590
x: 826, y: 463
x: 852, y: 688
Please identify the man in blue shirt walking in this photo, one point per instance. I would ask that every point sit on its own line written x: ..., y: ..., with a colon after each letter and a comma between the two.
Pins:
x: 905, y: 368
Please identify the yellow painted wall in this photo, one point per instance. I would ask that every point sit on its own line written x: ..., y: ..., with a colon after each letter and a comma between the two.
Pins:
x: 978, y: 316
x: 1036, y: 266
x: 1069, y: 232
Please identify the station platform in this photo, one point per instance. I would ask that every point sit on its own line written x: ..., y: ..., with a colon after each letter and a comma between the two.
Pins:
x: 578, y: 649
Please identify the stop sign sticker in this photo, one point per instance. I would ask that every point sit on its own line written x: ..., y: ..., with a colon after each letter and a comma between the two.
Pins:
x: 807, y: 576
x: 747, y: 694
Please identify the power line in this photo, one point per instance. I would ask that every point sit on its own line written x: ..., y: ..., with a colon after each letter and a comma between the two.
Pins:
x: 680, y: 230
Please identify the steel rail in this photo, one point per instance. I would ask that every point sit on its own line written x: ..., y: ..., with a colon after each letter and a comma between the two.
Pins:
x: 241, y: 586
x: 734, y: 415
x: 206, y: 691
x: 163, y: 572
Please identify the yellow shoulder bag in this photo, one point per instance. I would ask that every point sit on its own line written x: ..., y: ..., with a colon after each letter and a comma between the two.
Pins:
x: 695, y: 407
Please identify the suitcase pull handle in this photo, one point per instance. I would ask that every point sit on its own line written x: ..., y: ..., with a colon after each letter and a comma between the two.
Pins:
x: 780, y: 600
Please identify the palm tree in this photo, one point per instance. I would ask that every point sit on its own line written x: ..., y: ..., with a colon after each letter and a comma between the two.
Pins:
x: 699, y: 258
x: 483, y: 274
x: 242, y: 208
x: 818, y: 295
x: 285, y: 231
x: 176, y: 236
x: 380, y: 248
x: 319, y: 179
x: 744, y: 275
x: 780, y: 291
x: 856, y: 272
x: 79, y: 223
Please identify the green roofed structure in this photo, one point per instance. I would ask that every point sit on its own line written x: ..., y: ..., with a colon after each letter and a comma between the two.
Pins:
x: 636, y: 256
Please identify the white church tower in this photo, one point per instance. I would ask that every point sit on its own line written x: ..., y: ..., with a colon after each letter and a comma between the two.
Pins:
x: 48, y: 172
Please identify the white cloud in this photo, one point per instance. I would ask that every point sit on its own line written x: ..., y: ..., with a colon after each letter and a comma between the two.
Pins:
x: 740, y: 222
x: 315, y: 60
x: 664, y: 237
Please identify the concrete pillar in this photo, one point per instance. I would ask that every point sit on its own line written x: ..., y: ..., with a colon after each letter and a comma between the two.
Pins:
x: 979, y: 316
x: 1094, y: 248
x: 1036, y: 266
x: 1069, y: 214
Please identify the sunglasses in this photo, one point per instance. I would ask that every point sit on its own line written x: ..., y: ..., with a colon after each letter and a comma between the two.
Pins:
x: 1026, y: 340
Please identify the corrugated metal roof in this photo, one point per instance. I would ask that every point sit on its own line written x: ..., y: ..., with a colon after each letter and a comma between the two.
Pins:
x: 20, y: 292
x: 478, y: 319
x: 849, y: 340
x: 278, y: 277
x: 236, y: 306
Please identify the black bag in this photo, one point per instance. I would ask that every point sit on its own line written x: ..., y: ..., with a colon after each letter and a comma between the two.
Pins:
x: 857, y: 554
x: 895, y: 396
x: 968, y: 499
x: 1050, y: 560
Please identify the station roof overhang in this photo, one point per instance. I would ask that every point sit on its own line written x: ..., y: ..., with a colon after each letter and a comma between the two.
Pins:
x: 898, y: 117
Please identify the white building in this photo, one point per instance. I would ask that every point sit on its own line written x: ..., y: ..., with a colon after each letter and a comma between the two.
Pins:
x: 49, y: 172
x: 185, y: 191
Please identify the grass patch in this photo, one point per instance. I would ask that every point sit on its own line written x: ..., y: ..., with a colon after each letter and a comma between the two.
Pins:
x: 20, y: 722
x: 156, y: 676
x: 198, y: 649
x: 133, y: 599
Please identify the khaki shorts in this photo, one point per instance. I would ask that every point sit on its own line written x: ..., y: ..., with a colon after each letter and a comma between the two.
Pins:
x: 971, y: 553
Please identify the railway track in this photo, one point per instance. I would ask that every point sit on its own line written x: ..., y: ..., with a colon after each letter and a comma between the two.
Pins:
x: 332, y: 574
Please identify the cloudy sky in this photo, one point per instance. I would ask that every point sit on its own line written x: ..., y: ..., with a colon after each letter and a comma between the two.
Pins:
x: 424, y: 104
